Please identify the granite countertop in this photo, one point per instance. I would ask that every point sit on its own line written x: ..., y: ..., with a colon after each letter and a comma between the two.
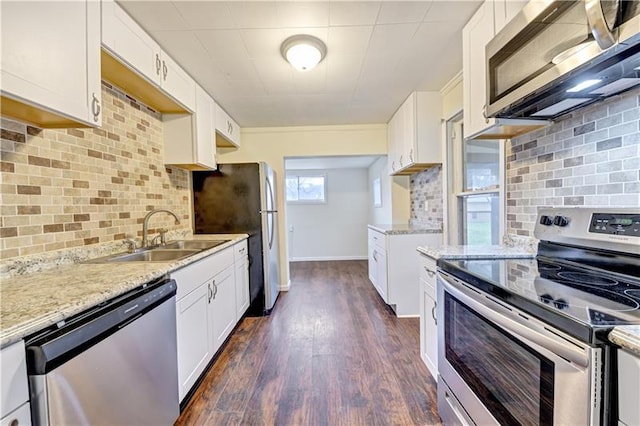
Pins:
x: 627, y: 337
x: 404, y: 229
x: 476, y: 252
x: 34, y: 301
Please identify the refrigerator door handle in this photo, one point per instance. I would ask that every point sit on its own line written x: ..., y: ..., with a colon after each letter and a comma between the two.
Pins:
x: 271, y: 211
x: 268, y: 211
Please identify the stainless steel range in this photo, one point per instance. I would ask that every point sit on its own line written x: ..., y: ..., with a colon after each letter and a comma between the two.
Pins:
x: 525, y: 341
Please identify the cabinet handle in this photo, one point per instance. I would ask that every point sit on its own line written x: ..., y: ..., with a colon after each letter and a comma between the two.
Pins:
x: 95, y: 107
x: 401, y: 161
x: 484, y: 113
x: 209, y: 293
x: 429, y: 271
x: 375, y: 257
x: 433, y: 312
x: 158, y: 64
x: 215, y: 287
x: 411, y: 156
x: 165, y: 70
x: 393, y: 165
x: 229, y: 128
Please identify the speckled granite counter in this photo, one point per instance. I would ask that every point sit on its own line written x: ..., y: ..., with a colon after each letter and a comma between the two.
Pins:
x: 404, y: 229
x: 34, y: 301
x: 475, y: 252
x: 628, y: 337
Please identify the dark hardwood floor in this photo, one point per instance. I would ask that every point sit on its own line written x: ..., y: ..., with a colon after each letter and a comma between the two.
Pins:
x: 331, y: 353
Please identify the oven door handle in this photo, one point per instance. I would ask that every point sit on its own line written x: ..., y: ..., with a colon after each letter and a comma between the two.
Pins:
x: 514, y: 324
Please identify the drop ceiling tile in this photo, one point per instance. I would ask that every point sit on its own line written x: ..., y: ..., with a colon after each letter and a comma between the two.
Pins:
x: 254, y: 14
x: 238, y: 69
x: 447, y: 11
x: 353, y: 12
x: 222, y: 44
x: 205, y: 15
x: 391, y: 38
x: 320, y: 32
x: 397, y: 12
x: 348, y: 40
x: 158, y: 15
x: 263, y: 43
x: 313, y: 81
x: 294, y: 14
x: 247, y: 88
x: 273, y: 68
x: 279, y: 87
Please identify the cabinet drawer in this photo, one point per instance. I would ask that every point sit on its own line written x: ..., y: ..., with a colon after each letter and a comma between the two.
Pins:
x: 13, y: 386
x: 191, y: 276
x: 428, y: 271
x: 240, y: 251
x: 376, y: 239
x: 21, y: 416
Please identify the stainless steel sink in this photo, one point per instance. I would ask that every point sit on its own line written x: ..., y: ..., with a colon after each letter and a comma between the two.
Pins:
x: 149, y: 256
x: 191, y: 244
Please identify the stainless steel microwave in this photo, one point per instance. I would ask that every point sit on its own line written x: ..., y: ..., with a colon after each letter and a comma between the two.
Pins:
x: 558, y: 55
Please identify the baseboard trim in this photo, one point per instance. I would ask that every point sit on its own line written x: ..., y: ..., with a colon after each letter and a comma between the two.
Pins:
x: 326, y: 258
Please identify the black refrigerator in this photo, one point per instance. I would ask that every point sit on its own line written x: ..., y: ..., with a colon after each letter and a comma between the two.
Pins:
x: 241, y: 198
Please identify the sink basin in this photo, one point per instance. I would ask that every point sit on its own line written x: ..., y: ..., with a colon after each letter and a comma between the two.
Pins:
x: 152, y: 256
x: 191, y: 244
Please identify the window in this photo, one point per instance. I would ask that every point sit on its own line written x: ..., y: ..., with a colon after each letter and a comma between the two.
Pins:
x: 475, y: 179
x: 306, y: 189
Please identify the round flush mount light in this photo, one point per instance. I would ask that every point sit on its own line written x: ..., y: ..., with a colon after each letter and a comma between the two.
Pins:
x: 303, y: 51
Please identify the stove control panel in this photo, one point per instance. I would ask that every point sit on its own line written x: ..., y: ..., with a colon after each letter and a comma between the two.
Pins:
x: 615, y: 224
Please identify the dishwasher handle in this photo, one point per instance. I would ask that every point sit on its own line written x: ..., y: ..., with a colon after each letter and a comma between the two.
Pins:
x: 58, y: 344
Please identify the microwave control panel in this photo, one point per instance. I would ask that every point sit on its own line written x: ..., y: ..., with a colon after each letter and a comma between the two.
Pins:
x: 615, y: 224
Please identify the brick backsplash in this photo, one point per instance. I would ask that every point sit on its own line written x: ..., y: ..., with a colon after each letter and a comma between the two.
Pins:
x: 426, y: 187
x: 75, y: 187
x: 590, y: 157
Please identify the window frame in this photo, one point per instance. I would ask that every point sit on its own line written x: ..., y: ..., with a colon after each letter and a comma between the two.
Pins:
x: 297, y: 175
x: 456, y: 195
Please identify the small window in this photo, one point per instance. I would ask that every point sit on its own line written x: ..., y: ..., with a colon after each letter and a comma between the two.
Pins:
x: 306, y: 189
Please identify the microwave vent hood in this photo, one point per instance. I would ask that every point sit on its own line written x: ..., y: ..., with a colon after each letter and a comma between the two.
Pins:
x: 524, y: 83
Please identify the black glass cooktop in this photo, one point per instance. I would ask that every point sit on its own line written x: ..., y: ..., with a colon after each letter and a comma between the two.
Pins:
x: 584, y: 302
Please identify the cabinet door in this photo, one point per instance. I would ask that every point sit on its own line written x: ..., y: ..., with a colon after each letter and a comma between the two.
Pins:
x: 223, y: 307
x: 14, y: 384
x: 227, y: 127
x: 505, y: 11
x: 177, y: 83
x: 51, y: 64
x: 475, y: 35
x: 242, y: 287
x: 129, y: 42
x: 628, y: 389
x: 21, y: 416
x: 408, y: 130
x: 428, y: 330
x: 381, y: 274
x: 205, y: 143
x: 194, y: 336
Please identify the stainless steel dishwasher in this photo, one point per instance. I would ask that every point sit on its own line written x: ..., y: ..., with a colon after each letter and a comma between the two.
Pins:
x: 114, y: 364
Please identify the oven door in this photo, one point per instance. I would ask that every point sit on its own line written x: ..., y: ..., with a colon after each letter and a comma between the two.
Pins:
x: 500, y: 366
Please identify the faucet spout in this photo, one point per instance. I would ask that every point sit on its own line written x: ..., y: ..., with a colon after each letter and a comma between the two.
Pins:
x: 145, y: 224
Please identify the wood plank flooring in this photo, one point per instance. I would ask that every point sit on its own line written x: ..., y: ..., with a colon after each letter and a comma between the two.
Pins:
x: 331, y: 353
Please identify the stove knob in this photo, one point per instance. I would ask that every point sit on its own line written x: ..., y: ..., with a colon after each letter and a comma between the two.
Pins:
x: 546, y: 220
x: 561, y: 221
x: 546, y: 298
x: 560, y: 304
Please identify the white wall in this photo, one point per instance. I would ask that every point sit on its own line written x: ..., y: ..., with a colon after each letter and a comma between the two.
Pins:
x: 275, y: 143
x: 337, y: 229
x: 396, y: 205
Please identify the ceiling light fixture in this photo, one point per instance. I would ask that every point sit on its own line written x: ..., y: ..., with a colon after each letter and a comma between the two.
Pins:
x: 303, y: 51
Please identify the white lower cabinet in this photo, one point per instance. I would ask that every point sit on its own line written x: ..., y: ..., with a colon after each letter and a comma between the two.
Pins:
x: 223, y: 306
x: 206, y: 310
x: 193, y: 327
x: 428, y: 319
x: 242, y: 279
x: 14, y: 388
x: 393, y: 268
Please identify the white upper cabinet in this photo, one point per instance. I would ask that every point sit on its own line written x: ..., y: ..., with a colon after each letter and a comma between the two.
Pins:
x: 189, y: 139
x: 414, y: 134
x: 490, y: 18
x: 227, y: 129
x: 137, y: 64
x: 50, y: 66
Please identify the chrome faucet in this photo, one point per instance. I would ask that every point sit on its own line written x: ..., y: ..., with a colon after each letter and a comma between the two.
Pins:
x: 145, y: 224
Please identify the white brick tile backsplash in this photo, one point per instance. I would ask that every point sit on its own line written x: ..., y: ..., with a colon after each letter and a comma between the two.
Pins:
x: 591, y: 158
